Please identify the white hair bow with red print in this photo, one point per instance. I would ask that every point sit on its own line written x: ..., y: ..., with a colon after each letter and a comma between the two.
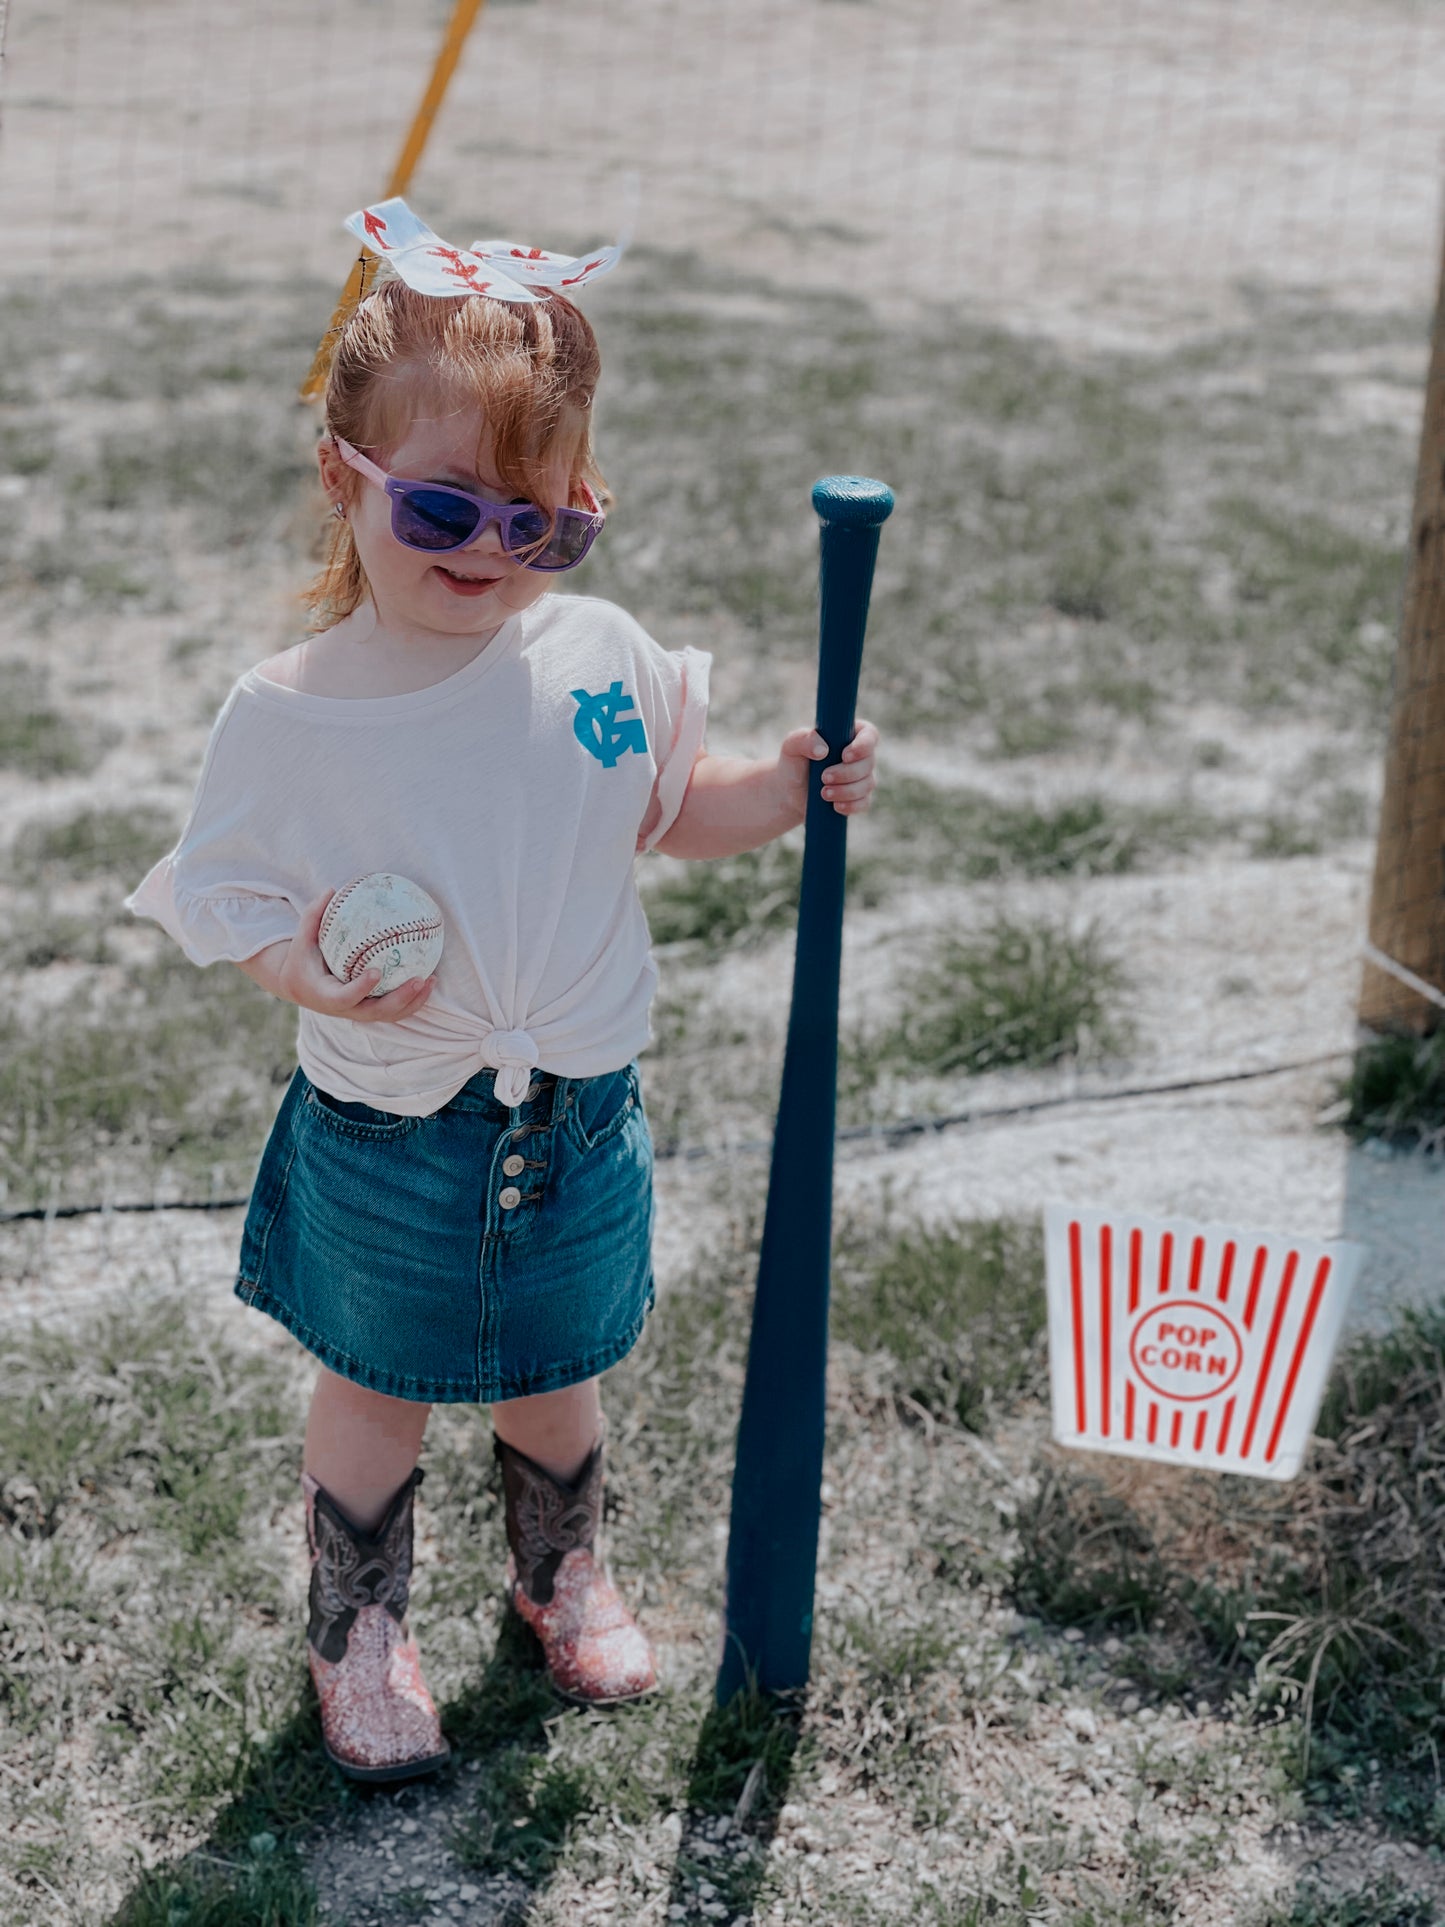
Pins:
x: 500, y: 269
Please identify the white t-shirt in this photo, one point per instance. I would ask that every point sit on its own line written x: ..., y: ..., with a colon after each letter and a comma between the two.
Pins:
x: 513, y: 792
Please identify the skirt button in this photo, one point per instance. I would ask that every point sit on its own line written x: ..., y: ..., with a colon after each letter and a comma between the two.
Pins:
x: 514, y: 1166
x: 509, y: 1198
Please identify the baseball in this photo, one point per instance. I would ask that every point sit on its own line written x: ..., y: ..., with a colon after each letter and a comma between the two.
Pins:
x: 384, y: 920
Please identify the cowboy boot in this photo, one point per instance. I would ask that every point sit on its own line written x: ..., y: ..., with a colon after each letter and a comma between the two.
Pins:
x: 596, y: 1652
x: 378, y: 1721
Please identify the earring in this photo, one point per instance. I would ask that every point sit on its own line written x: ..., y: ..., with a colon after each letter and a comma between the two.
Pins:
x: 339, y: 509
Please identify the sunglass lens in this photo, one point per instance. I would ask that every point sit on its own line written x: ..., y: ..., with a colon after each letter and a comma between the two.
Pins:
x: 433, y: 518
x: 527, y: 529
x: 569, y: 541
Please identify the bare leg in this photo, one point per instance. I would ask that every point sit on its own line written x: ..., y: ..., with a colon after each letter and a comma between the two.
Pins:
x: 557, y: 1429
x: 361, y: 1446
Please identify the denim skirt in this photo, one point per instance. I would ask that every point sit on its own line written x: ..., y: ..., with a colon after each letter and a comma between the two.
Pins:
x: 483, y: 1253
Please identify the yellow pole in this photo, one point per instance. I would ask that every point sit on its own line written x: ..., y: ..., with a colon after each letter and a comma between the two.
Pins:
x: 358, y: 284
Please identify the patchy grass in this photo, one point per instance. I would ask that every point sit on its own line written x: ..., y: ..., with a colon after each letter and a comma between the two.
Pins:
x: 1319, y: 1596
x: 955, y: 1311
x: 37, y: 739
x: 92, y: 842
x: 140, y: 1585
x: 740, y: 901
x: 167, y: 456
x: 1014, y: 994
x: 1381, y: 1903
x: 1396, y: 1091
x: 152, y: 1606
x: 135, y: 1085
x: 36, y: 935
x: 1102, y: 561
x: 965, y: 835
x: 742, y: 898
x: 261, y: 1886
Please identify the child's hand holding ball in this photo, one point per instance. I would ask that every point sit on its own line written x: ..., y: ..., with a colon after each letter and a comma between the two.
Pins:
x: 364, y: 951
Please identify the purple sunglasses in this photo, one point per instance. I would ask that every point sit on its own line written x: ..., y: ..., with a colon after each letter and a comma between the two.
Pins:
x: 433, y: 518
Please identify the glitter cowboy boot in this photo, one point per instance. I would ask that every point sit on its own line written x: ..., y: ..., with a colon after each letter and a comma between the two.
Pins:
x: 377, y: 1717
x: 596, y: 1652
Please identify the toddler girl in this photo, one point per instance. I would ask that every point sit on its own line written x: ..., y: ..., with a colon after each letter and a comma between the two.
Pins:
x: 455, y: 1199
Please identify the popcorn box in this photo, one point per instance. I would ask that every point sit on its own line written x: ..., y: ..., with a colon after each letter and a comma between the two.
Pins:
x: 1195, y: 1344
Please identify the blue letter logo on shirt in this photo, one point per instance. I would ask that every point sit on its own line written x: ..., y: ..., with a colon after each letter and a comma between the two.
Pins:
x: 597, y: 729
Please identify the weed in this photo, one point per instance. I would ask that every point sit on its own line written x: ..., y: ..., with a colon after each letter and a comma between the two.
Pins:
x: 1014, y: 994
x: 739, y: 901
x: 528, y: 1804
x: 745, y: 1747
x: 1382, y: 1904
x: 184, y: 649
x: 263, y: 1887
x: 736, y: 899
x: 1396, y: 1091
x: 32, y: 939
x: 1085, y: 1558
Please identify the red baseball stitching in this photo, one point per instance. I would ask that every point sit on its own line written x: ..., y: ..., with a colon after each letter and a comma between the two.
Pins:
x: 356, y: 959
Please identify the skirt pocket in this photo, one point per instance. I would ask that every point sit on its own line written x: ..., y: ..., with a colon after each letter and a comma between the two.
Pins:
x: 601, y: 1105
x: 360, y: 1121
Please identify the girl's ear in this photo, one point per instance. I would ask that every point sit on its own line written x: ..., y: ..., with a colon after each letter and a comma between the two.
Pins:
x: 333, y: 469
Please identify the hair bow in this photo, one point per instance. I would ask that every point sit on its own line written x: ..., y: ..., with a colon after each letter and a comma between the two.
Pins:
x: 500, y: 269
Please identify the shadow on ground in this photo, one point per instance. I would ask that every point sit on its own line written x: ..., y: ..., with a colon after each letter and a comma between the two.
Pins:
x: 737, y: 1783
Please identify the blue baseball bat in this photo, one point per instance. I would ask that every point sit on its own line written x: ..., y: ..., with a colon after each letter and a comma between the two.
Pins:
x: 778, y: 1473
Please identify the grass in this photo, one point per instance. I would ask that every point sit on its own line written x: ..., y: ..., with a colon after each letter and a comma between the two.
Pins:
x: 1396, y: 1091
x: 1318, y: 1597
x: 1015, y: 994
x: 956, y: 1312
x: 1383, y: 1903
x: 1102, y: 560
x: 93, y: 842
x: 135, y: 1085
x: 967, y: 836
x: 738, y: 902
x: 151, y: 1598
x: 37, y: 739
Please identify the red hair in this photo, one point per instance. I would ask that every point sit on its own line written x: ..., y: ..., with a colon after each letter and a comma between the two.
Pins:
x: 529, y: 372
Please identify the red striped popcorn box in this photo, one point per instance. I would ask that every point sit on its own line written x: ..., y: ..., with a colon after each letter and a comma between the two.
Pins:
x: 1197, y: 1344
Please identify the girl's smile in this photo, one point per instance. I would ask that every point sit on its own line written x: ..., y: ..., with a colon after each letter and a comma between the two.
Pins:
x: 460, y: 584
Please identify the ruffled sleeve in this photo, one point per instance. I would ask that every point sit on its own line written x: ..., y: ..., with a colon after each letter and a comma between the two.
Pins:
x: 225, y: 925
x: 217, y: 893
x: 679, y: 692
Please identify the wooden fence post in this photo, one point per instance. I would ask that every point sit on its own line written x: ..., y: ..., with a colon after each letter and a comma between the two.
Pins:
x: 1407, y: 903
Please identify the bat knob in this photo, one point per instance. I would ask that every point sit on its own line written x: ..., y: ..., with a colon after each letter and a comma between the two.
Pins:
x: 852, y: 501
